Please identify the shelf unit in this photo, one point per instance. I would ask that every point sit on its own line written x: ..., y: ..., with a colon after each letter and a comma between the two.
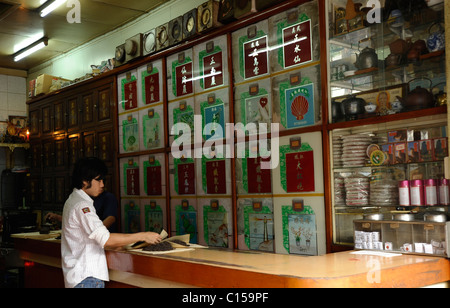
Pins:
x: 367, y: 83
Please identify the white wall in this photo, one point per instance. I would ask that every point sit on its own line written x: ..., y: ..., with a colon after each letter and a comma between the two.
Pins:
x: 77, y: 62
x: 12, y: 96
x: 12, y: 102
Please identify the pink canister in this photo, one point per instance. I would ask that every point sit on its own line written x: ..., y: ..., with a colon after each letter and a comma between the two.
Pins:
x: 416, y: 192
x: 403, y: 193
x: 444, y: 193
x: 430, y: 192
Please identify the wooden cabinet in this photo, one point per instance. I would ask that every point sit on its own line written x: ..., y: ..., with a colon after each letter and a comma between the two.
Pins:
x: 76, y: 122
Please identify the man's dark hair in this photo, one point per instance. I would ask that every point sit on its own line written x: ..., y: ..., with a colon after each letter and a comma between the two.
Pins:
x: 87, y: 169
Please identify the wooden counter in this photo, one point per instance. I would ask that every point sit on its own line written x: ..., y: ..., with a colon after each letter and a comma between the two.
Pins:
x: 227, y: 269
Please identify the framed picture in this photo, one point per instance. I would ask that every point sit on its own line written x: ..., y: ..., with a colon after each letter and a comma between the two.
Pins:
x: 18, y: 121
x: 385, y: 99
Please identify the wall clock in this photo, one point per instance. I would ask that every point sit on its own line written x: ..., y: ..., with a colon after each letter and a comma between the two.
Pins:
x: 190, y: 24
x: 133, y: 47
x: 175, y: 31
x: 162, y: 37
x: 119, y: 56
x: 149, y: 42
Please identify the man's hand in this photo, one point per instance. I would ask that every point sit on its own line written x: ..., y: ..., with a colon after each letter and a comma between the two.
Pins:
x: 151, y: 237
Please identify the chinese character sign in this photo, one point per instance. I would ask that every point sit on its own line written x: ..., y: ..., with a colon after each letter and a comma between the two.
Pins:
x: 132, y: 179
x: 212, y: 70
x: 297, y: 46
x: 151, y: 83
x: 259, y: 180
x: 186, y: 179
x: 183, y: 79
x: 255, y: 58
x: 215, y: 177
x: 130, y: 98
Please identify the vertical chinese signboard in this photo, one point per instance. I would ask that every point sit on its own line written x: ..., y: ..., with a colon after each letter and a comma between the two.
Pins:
x: 297, y: 47
x: 181, y: 68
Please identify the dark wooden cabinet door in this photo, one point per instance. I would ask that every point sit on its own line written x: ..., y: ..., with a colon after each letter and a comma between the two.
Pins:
x: 61, y: 190
x: 34, y: 196
x: 48, y: 154
x: 105, y: 145
x: 47, y: 190
x: 72, y: 114
x: 104, y: 105
x: 89, y: 145
x: 46, y: 120
x: 87, y: 110
x: 60, y: 152
x: 59, y: 117
x: 36, y: 156
x: 35, y: 117
x: 73, y: 143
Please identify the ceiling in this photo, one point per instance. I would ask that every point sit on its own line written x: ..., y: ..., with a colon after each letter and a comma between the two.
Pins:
x: 20, y: 21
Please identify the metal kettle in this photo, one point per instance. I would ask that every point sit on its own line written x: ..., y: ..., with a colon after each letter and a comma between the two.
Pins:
x: 366, y: 59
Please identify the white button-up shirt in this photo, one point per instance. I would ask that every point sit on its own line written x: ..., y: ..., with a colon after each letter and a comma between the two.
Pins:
x: 82, y: 241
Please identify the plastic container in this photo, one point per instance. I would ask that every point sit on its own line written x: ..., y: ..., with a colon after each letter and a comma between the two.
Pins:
x: 444, y: 193
x: 403, y: 193
x: 416, y: 193
x: 430, y: 192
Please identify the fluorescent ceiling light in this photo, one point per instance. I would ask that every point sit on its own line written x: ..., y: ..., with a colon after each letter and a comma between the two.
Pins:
x: 31, y: 49
x: 50, y: 6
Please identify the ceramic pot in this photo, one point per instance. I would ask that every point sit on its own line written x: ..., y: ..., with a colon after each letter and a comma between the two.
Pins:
x: 399, y: 47
x: 419, y: 98
x: 353, y: 106
x: 366, y: 59
x: 436, y: 39
x: 418, y: 48
x: 336, y: 112
x: 392, y: 60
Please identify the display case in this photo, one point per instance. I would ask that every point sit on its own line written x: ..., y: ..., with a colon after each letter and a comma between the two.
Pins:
x: 413, y: 237
x: 387, y: 103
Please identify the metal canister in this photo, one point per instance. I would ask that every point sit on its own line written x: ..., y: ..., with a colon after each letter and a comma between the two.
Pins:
x: 416, y: 192
x: 403, y: 193
x: 444, y: 193
x: 430, y: 192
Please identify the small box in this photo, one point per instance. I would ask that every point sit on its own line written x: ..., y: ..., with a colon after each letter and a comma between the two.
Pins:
x: 388, y: 150
x: 397, y: 135
x: 440, y: 148
x: 44, y: 82
x: 426, y: 150
x: 400, y: 153
x: 31, y: 88
x: 413, y: 152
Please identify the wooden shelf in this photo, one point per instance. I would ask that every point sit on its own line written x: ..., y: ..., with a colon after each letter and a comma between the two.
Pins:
x: 389, y: 118
x: 13, y: 146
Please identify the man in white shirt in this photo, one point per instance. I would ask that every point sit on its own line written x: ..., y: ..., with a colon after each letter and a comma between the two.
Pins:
x: 84, y: 236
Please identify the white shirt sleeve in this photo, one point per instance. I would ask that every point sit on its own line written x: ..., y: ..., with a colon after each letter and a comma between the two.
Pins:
x: 91, y: 224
